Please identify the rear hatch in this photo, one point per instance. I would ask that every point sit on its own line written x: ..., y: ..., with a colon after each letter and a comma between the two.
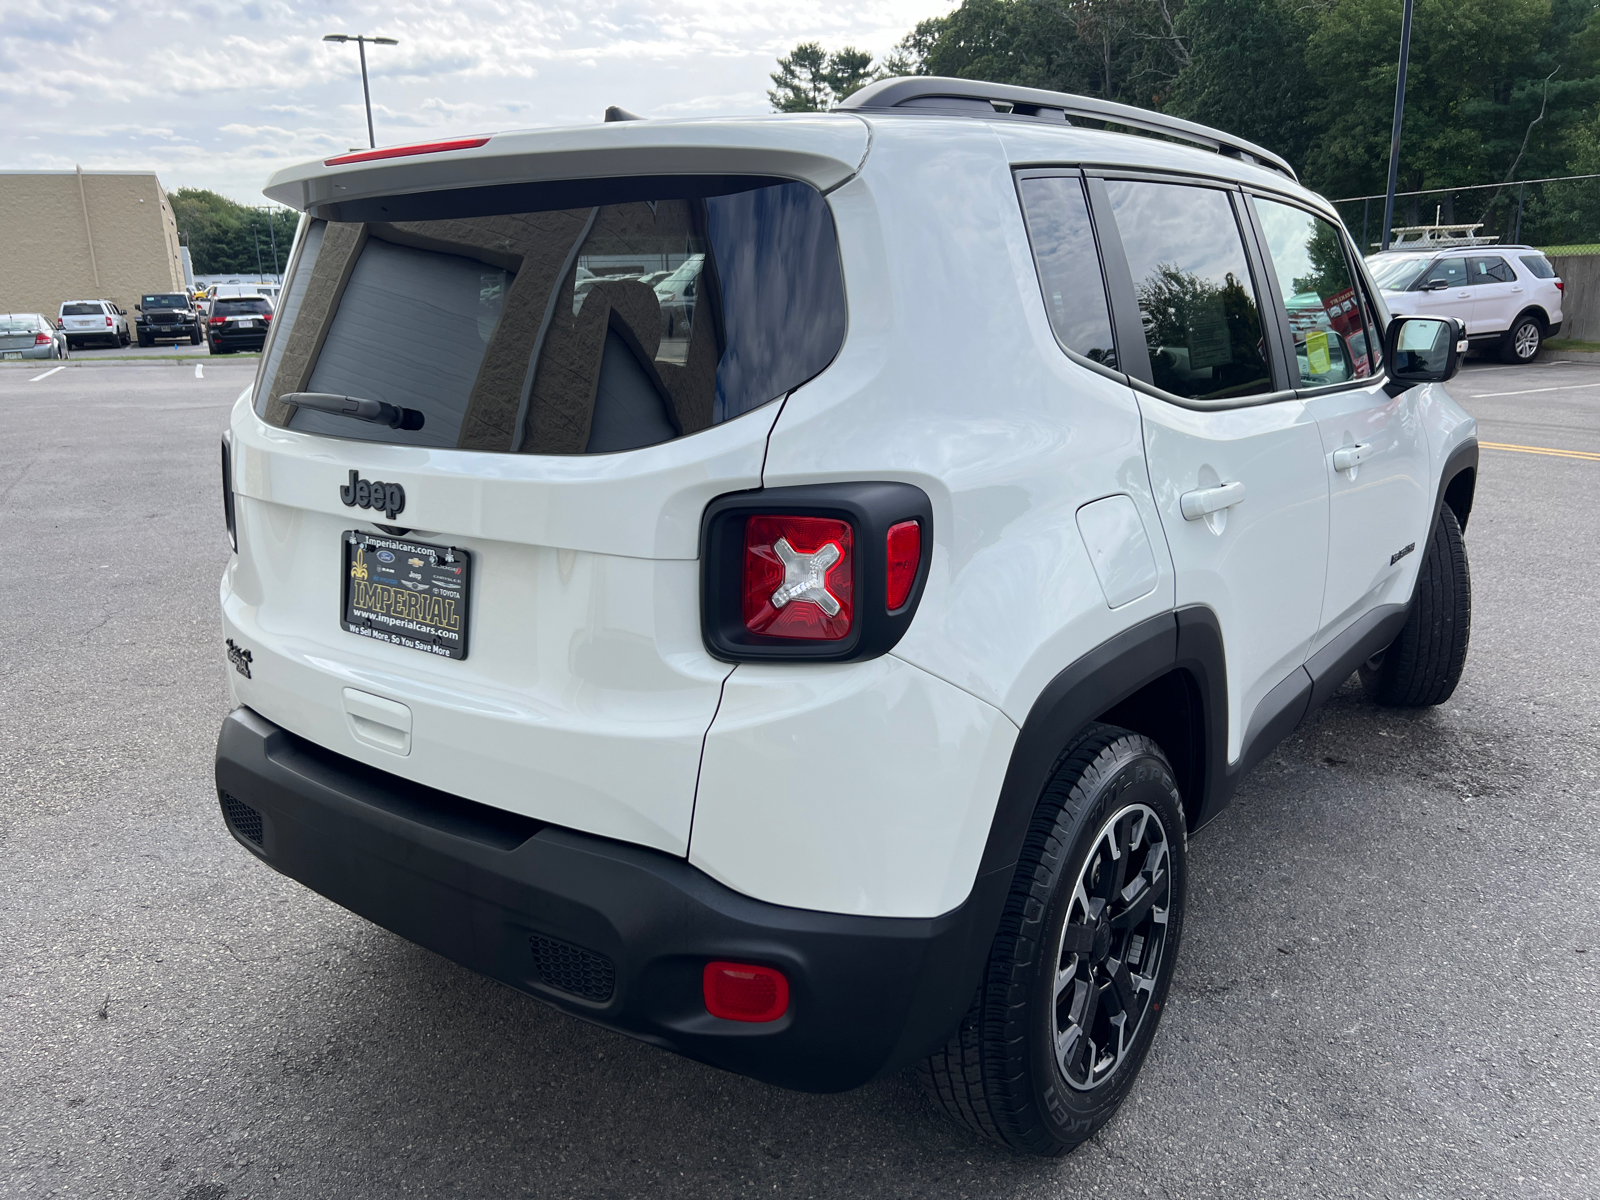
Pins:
x: 88, y: 317
x: 492, y: 588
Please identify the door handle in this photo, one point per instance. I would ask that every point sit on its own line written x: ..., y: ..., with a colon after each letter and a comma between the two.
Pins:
x: 1348, y: 458
x: 1517, y: 289
x: 1202, y: 502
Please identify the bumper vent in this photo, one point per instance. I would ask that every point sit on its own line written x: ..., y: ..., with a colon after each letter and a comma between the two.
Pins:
x: 245, y: 820
x: 569, y: 968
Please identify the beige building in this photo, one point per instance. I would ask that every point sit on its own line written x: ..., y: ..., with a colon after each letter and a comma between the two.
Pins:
x: 84, y: 235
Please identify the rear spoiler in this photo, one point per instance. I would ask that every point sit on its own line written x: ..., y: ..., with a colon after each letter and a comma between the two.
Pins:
x: 823, y: 150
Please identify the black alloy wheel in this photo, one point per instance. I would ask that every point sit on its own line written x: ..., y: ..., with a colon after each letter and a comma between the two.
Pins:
x: 1080, y: 966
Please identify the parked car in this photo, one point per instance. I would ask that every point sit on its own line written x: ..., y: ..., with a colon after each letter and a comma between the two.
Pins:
x: 31, y: 335
x: 167, y: 316
x: 835, y: 688
x: 1508, y: 296
x: 99, y: 321
x: 239, y: 323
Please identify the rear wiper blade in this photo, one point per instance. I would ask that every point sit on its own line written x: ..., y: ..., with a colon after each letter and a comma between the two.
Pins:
x: 375, y: 411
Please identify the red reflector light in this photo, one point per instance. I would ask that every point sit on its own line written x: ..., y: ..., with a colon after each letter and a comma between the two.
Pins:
x: 404, y: 151
x: 798, y: 577
x: 741, y: 992
x: 905, y: 555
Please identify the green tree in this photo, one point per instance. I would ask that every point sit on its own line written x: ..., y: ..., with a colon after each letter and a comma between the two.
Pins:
x: 809, y: 79
x: 1246, y: 71
x: 223, y: 235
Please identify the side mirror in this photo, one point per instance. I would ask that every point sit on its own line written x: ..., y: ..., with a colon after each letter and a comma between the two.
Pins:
x: 1424, y: 349
x: 138, y: 308
x: 1436, y: 285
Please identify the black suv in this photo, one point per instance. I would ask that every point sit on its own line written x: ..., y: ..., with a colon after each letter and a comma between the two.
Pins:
x: 238, y: 323
x: 167, y: 315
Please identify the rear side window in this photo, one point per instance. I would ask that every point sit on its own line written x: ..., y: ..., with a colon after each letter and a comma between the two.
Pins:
x: 1202, y: 324
x: 1491, y: 270
x: 1069, y: 265
x: 1538, y: 266
x: 564, y: 331
x: 82, y: 310
x: 1307, y: 256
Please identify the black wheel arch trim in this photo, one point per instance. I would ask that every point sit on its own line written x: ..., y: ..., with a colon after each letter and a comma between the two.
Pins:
x: 1458, y: 482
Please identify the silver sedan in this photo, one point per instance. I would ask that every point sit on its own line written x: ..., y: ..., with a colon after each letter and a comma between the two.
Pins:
x: 30, y: 335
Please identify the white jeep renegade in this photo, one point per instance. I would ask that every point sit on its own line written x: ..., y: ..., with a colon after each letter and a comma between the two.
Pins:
x: 786, y: 589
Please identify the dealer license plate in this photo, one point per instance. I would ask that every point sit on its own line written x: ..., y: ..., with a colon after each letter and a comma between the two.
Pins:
x: 406, y: 593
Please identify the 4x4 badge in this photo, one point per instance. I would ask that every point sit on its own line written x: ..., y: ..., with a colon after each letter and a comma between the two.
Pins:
x: 389, y: 498
x: 240, y: 658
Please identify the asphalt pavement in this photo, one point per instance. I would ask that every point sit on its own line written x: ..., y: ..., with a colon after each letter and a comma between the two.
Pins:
x: 1389, y: 984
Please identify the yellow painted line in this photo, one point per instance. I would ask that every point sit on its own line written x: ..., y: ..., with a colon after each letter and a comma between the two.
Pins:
x: 1585, y: 454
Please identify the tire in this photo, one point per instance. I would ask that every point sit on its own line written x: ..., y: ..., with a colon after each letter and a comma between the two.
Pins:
x: 146, y: 341
x: 194, y: 337
x: 1000, y: 1074
x: 123, y: 339
x: 1523, y: 340
x: 1422, y: 666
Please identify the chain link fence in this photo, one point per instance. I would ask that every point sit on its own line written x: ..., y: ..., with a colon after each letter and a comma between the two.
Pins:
x: 1559, y: 215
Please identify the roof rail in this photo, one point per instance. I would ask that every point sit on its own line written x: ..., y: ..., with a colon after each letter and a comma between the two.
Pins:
x: 971, y: 97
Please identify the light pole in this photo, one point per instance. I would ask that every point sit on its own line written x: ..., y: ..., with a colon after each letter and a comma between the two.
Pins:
x: 1399, y: 117
x: 361, y: 40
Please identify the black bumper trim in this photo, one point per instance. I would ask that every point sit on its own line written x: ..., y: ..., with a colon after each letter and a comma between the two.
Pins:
x: 869, y: 995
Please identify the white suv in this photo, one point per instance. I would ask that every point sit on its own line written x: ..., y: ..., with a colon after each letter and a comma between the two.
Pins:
x: 820, y: 669
x: 94, y: 321
x: 1508, y: 297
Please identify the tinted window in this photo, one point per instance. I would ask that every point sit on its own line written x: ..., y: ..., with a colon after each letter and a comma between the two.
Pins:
x: 1490, y: 270
x: 564, y: 331
x: 1452, y: 271
x: 82, y: 310
x: 1307, y: 256
x: 166, y: 300
x: 239, y: 308
x: 1539, y: 266
x: 20, y: 323
x: 1202, y: 325
x: 1069, y: 265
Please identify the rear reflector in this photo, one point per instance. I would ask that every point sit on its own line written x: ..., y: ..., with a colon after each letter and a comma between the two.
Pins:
x: 405, y: 151
x: 741, y: 992
x: 798, y: 577
x: 905, y: 556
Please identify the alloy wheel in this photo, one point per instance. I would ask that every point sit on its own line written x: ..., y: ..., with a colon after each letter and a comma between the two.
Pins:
x: 1526, y: 340
x: 1111, y: 946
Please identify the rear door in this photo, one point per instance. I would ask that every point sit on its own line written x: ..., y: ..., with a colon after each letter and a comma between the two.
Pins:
x: 1374, y: 453
x: 493, y: 588
x: 1497, y: 295
x: 1235, y: 458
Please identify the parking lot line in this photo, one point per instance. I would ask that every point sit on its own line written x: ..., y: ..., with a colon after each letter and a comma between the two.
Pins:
x: 1591, y: 456
x: 47, y: 374
x: 1560, y: 387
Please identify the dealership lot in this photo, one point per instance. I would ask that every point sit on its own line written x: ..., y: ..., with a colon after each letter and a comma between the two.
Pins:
x: 1389, y: 985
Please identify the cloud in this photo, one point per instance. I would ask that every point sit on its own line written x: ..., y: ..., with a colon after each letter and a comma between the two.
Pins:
x: 219, y: 96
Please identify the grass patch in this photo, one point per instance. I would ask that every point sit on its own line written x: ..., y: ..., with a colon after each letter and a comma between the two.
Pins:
x: 167, y: 357
x: 1572, y: 344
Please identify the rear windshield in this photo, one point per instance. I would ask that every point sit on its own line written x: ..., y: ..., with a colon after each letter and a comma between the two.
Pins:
x: 82, y: 310
x: 19, y: 323
x: 236, y: 308
x: 1539, y: 266
x: 562, y: 331
x: 166, y: 300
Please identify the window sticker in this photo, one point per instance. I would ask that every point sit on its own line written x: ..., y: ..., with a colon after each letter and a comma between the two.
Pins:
x: 1317, y: 352
x: 1209, y: 344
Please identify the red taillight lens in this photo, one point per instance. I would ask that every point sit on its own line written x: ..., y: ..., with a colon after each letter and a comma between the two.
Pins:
x: 109, y: 324
x: 798, y: 577
x: 219, y: 320
x: 266, y: 316
x: 905, y: 555
x: 42, y: 339
x: 741, y: 992
x: 1560, y: 287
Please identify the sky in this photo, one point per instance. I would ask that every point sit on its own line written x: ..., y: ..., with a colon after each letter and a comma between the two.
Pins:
x: 219, y: 95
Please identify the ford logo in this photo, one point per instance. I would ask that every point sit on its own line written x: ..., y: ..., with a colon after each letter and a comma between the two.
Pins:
x: 385, y: 556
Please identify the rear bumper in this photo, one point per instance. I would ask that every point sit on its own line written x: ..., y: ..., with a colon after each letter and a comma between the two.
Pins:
x: 238, y: 341
x: 1553, y: 330
x: 613, y: 933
